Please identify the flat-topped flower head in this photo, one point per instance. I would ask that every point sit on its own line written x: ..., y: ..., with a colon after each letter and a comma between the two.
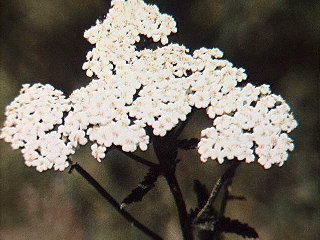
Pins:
x: 142, y: 79
x: 115, y: 36
x: 159, y: 86
x: 254, y: 127
x: 30, y: 126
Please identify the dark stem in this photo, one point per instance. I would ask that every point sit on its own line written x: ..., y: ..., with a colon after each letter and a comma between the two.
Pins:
x: 226, y: 194
x: 140, y: 159
x: 225, y: 198
x: 166, y: 151
x: 181, y: 206
x: 228, y: 175
x: 112, y: 201
x: 206, y: 212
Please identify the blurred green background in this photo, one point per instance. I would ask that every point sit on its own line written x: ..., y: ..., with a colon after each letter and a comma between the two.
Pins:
x: 276, y: 41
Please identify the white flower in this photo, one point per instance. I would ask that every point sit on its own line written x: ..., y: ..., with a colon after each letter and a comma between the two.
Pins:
x: 78, y: 136
x: 98, y: 152
x: 265, y: 89
x: 241, y: 75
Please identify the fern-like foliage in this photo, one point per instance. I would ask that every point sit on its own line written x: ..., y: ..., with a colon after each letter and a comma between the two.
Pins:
x: 234, y: 226
x: 226, y: 225
x: 202, y: 194
x: 143, y: 188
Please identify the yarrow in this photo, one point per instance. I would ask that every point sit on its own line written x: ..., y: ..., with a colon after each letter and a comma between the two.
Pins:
x: 31, y: 126
x: 254, y: 124
x: 133, y: 88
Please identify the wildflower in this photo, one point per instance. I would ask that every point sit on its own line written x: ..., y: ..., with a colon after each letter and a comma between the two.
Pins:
x: 257, y: 129
x: 135, y: 87
x: 31, y: 119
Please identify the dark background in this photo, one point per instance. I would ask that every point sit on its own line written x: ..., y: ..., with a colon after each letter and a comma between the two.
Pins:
x: 276, y: 41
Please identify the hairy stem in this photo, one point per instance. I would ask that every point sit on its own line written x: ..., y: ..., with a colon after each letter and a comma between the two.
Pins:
x: 112, y: 201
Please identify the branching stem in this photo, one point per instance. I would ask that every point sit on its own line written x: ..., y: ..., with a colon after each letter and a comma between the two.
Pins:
x: 166, y: 152
x: 226, y: 177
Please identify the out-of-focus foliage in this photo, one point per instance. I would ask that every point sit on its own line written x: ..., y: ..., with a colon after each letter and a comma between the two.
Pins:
x: 275, y: 41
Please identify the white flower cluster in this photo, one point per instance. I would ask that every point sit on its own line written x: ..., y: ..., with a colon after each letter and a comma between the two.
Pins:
x: 154, y: 87
x: 139, y: 87
x: 116, y: 35
x: 99, y: 111
x: 254, y: 124
x: 30, y: 126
